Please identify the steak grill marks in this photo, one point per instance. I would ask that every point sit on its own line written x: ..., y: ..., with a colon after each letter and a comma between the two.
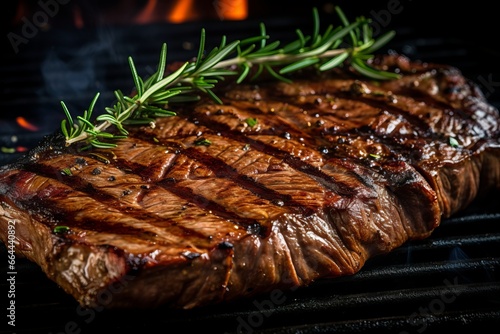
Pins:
x: 223, y: 170
x: 252, y: 225
x: 296, y: 163
x: 78, y: 186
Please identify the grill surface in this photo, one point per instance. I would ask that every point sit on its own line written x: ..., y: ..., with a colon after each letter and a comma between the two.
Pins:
x: 449, y: 281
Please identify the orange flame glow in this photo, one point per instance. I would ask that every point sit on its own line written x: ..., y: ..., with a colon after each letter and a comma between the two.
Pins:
x: 182, y: 11
x: 143, y: 12
x: 231, y: 9
x: 25, y: 124
x: 78, y: 19
x: 189, y: 10
x: 147, y: 13
x: 21, y: 149
x: 21, y: 12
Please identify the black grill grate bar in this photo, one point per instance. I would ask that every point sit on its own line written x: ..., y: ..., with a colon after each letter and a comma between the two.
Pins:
x: 406, y: 299
x: 354, y: 309
x: 427, y: 268
x: 477, y: 321
x: 480, y: 240
x: 472, y: 218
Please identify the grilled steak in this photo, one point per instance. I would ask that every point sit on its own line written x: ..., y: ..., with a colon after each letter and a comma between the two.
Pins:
x: 207, y: 206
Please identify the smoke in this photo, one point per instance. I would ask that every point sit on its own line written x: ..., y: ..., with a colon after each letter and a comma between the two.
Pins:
x: 76, y: 70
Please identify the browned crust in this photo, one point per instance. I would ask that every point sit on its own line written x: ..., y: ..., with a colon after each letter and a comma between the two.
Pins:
x: 338, y: 170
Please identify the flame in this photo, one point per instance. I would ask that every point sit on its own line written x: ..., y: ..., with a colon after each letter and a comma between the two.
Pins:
x: 179, y: 11
x: 21, y: 149
x: 231, y: 9
x: 145, y: 15
x: 182, y: 11
x: 147, y: 11
x: 21, y: 11
x: 25, y: 124
x: 77, y: 17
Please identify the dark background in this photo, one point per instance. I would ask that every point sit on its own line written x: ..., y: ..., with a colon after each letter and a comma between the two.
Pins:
x: 476, y: 22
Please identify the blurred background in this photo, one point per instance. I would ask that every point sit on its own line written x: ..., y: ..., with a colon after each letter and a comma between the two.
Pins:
x: 453, y: 20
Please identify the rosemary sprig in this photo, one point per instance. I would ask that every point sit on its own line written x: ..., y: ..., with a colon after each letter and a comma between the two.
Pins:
x: 349, y: 42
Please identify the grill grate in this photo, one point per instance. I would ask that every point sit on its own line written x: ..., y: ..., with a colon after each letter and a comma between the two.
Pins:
x: 449, y: 281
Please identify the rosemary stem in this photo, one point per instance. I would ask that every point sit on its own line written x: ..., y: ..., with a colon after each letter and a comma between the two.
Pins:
x: 101, y: 127
x: 169, y: 81
x: 279, y: 58
x: 84, y: 135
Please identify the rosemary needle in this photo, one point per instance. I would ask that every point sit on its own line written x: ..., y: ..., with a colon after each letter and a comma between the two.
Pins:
x: 154, y: 95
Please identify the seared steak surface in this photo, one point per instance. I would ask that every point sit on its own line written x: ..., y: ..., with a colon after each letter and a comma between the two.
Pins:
x: 281, y: 185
